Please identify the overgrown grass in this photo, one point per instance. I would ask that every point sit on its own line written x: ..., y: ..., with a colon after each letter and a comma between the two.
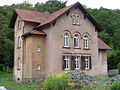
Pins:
x: 4, y: 75
x: 99, y: 85
x: 18, y: 86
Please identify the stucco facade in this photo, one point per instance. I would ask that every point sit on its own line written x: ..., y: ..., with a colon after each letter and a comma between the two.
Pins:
x: 52, y: 49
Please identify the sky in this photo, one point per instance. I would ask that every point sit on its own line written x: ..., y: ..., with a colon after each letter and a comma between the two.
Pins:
x: 110, y: 4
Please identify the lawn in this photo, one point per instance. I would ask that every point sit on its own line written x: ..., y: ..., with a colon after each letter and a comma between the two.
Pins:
x: 4, y: 75
x: 18, y: 86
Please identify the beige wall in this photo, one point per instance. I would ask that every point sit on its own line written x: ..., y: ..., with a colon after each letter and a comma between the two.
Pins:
x: 54, y: 43
x: 17, y: 52
x: 50, y: 56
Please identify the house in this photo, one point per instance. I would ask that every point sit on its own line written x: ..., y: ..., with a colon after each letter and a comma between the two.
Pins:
x: 58, y: 42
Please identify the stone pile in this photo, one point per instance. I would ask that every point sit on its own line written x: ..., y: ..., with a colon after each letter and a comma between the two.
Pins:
x: 115, y: 78
x: 80, y: 77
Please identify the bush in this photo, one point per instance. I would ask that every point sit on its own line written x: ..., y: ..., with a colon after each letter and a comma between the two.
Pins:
x: 119, y: 68
x: 115, y: 86
x: 57, y: 82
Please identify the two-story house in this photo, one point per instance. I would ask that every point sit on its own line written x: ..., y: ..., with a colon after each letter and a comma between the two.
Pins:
x: 58, y: 42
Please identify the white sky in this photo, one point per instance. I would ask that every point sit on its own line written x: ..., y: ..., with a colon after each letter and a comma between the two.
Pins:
x: 110, y: 4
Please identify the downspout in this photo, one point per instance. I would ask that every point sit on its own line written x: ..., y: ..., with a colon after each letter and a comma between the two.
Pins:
x: 23, y: 54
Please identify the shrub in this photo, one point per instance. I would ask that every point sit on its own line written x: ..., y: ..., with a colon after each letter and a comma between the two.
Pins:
x: 119, y: 68
x: 115, y: 86
x: 57, y: 82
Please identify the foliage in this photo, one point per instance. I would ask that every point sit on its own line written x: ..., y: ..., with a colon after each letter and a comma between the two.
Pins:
x: 57, y: 82
x: 115, y: 86
x: 119, y: 68
x: 50, y: 6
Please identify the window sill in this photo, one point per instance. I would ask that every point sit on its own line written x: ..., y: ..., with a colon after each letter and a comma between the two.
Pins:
x: 18, y: 28
x: 18, y: 47
x: 86, y: 48
x: 77, y: 48
x: 76, y: 24
x: 67, y: 47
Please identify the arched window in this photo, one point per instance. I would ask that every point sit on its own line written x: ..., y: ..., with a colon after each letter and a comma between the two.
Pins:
x: 66, y: 40
x: 76, y: 41
x: 85, y: 41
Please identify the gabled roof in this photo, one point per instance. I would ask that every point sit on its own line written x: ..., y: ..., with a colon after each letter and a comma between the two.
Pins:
x: 45, y: 18
x: 102, y: 45
x: 27, y: 15
x: 57, y: 14
x: 35, y: 32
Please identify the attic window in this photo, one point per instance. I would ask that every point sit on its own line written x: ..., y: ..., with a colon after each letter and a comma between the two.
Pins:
x: 76, y: 19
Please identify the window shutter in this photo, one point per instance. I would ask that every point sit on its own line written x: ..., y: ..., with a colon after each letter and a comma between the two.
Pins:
x: 90, y: 63
x: 72, y: 63
x: 63, y: 62
x: 82, y: 63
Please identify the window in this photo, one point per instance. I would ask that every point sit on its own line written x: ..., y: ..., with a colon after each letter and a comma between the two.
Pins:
x: 85, y: 41
x: 38, y: 48
x: 18, y: 62
x: 86, y: 62
x: 74, y: 19
x: 19, y: 43
x: 77, y: 62
x: 66, y: 40
x: 38, y: 68
x: 76, y: 41
x: 18, y: 24
x: 77, y: 20
x: 66, y: 60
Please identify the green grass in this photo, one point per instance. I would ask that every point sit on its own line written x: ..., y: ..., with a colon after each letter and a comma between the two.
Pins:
x: 18, y: 86
x: 99, y: 85
x: 4, y: 75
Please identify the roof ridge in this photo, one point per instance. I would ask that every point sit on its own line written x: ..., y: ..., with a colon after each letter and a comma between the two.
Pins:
x: 30, y: 10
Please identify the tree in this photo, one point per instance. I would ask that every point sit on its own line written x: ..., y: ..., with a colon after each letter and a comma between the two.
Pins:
x: 50, y: 6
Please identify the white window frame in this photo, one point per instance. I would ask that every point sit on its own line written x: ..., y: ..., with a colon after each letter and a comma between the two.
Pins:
x: 85, y: 41
x: 67, y: 65
x: 19, y: 42
x: 18, y: 62
x: 86, y: 62
x: 76, y: 38
x: 74, y: 21
x: 77, y: 62
x: 66, y: 40
x: 78, y: 19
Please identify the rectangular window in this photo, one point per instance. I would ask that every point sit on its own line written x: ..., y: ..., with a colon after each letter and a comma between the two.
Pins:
x: 66, y: 60
x: 77, y: 62
x: 19, y: 42
x: 77, y: 20
x: 73, y: 19
x: 86, y: 62
x: 18, y: 62
x: 18, y: 24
